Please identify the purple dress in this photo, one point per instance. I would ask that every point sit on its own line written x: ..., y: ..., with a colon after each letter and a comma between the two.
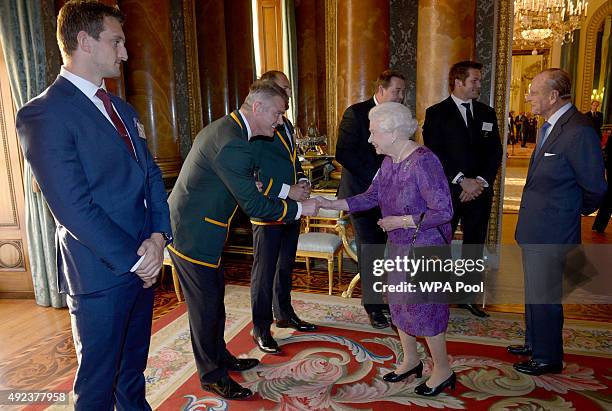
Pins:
x: 413, y: 186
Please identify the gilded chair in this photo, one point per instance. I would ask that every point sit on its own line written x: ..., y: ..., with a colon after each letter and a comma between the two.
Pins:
x: 321, y: 239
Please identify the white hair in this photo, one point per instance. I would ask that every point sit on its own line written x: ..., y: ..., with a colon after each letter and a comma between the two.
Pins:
x: 394, y: 117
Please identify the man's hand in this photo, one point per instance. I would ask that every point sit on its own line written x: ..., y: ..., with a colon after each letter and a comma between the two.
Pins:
x: 308, y: 187
x: 464, y: 197
x: 259, y: 186
x: 153, y: 250
x: 299, y: 191
x: 310, y: 207
x: 472, y: 188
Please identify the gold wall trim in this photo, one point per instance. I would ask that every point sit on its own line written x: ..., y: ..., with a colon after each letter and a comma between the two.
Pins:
x: 196, y: 121
x: 331, y: 56
x: 501, y: 79
x: 589, y: 53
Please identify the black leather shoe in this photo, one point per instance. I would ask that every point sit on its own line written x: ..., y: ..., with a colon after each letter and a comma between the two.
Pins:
x: 393, y: 377
x: 532, y: 367
x: 378, y: 320
x: 228, y: 389
x: 428, y: 391
x: 241, y: 364
x: 474, y: 309
x: 266, y: 344
x: 296, y: 324
x: 519, y: 350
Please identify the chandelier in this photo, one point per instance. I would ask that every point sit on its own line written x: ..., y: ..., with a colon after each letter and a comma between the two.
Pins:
x: 539, y: 23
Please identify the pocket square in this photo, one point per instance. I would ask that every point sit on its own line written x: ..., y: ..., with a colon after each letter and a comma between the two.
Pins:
x: 549, y: 154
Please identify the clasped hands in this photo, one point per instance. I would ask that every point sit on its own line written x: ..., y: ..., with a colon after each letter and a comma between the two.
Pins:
x: 153, y: 250
x: 297, y: 192
x: 472, y: 188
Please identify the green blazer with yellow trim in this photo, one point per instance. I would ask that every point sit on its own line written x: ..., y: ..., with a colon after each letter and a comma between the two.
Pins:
x: 217, y: 178
x: 277, y: 163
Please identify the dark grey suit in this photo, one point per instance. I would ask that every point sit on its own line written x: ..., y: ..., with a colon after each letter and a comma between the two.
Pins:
x: 565, y: 179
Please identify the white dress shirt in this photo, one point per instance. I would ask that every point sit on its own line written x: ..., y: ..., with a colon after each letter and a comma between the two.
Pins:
x: 463, y: 110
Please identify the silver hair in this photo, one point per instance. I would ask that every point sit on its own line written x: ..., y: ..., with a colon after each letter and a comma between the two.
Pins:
x: 394, y: 118
x: 264, y: 90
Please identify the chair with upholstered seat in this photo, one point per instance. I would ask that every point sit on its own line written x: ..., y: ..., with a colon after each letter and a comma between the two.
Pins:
x: 322, y: 240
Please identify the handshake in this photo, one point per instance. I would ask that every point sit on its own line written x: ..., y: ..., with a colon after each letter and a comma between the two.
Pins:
x: 301, y: 192
x: 311, y: 206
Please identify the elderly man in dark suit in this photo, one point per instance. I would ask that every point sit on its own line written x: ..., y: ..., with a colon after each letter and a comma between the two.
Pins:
x: 565, y: 179
x: 463, y: 133
x: 217, y: 178
x: 359, y: 165
x: 89, y: 154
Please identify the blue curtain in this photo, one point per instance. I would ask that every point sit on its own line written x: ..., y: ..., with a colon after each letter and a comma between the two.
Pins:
x: 23, y: 44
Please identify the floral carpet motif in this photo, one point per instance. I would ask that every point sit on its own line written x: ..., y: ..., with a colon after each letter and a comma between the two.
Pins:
x: 340, y: 367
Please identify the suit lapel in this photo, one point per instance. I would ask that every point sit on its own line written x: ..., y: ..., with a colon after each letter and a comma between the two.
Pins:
x: 85, y: 105
x: 286, y: 143
x: 237, y: 118
x: 554, y: 134
x: 130, y: 124
x: 457, y: 117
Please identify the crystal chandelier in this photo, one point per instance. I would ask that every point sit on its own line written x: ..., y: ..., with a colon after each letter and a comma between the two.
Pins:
x: 539, y: 23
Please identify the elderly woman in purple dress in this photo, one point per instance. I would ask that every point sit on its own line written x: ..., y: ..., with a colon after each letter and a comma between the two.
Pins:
x: 410, y: 184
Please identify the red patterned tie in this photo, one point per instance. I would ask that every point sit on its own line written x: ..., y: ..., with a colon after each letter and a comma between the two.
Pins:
x: 103, y: 95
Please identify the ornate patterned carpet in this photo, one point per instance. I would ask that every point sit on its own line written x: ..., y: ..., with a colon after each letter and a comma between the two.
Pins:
x: 341, y: 367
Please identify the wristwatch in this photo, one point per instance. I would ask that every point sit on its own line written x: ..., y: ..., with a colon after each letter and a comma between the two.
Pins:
x: 460, y: 179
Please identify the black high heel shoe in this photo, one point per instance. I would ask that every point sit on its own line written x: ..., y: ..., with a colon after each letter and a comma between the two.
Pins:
x: 393, y: 377
x: 427, y: 391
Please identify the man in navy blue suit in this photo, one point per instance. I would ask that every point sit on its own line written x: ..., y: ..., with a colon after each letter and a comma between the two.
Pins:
x: 88, y: 152
x: 565, y: 180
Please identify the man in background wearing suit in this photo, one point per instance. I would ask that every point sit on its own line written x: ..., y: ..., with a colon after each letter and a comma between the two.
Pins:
x: 89, y: 155
x: 463, y: 133
x: 217, y: 178
x: 275, y: 242
x: 359, y: 165
x: 565, y: 179
x: 596, y: 117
